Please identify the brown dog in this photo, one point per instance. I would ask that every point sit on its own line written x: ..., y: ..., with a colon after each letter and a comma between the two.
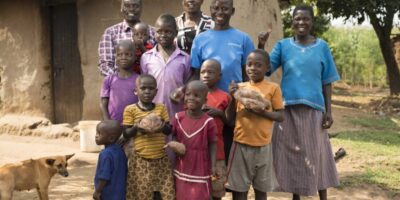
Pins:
x: 30, y: 174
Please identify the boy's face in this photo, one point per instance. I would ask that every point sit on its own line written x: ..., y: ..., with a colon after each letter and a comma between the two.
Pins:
x: 256, y: 67
x: 101, y: 136
x: 192, y: 6
x: 195, y: 98
x: 210, y: 74
x: 124, y: 57
x: 221, y: 12
x: 165, y: 34
x: 131, y: 10
x: 146, y: 90
x: 141, y: 33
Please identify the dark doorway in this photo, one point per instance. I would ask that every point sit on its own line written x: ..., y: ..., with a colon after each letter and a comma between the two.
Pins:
x: 66, y: 64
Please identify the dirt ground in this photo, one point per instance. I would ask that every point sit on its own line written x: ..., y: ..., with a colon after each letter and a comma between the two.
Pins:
x: 79, y: 185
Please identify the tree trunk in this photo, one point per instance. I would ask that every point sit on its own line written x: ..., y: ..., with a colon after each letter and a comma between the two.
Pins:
x: 383, y: 30
x: 391, y: 66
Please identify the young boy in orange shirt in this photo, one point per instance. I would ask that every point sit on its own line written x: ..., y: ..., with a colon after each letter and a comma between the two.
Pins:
x: 250, y: 159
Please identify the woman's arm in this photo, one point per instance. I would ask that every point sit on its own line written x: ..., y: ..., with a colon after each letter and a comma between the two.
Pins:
x: 327, y: 119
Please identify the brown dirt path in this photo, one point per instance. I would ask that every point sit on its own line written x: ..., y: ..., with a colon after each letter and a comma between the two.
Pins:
x: 79, y: 185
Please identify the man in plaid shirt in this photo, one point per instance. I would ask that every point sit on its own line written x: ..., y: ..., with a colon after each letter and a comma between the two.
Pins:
x: 131, y: 11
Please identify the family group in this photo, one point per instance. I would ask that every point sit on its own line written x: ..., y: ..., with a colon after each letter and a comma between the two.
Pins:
x: 190, y: 71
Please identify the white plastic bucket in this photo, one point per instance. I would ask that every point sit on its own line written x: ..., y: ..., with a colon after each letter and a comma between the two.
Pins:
x: 87, y: 131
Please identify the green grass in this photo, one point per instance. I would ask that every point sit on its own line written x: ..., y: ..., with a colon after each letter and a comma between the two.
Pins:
x: 376, y: 150
x: 375, y: 122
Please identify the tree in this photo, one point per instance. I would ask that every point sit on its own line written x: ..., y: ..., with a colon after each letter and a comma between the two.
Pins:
x: 381, y: 14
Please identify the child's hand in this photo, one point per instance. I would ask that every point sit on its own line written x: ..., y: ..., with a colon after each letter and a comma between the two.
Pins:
x: 96, y: 195
x: 213, y: 112
x: 214, y: 175
x: 177, y: 95
x: 177, y: 147
x: 233, y: 87
x: 263, y: 37
x: 256, y: 109
x: 327, y: 120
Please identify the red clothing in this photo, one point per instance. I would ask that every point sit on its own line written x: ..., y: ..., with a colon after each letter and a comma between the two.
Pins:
x: 219, y: 99
x: 138, y: 54
x: 193, y: 170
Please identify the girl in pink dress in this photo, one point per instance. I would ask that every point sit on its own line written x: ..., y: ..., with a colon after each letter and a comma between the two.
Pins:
x: 197, y: 131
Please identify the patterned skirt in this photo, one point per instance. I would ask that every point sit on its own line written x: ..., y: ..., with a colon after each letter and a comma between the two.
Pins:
x: 302, y: 153
x: 145, y: 176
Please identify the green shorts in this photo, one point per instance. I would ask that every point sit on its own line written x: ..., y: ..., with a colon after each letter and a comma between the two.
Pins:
x: 251, y: 166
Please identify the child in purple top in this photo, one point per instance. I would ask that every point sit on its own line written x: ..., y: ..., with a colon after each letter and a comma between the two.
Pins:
x: 117, y: 91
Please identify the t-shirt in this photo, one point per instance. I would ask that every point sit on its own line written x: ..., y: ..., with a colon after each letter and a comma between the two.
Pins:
x: 305, y: 69
x: 252, y: 129
x: 112, y: 167
x: 220, y: 100
x: 150, y: 146
x: 169, y: 75
x: 120, y: 92
x: 230, y: 47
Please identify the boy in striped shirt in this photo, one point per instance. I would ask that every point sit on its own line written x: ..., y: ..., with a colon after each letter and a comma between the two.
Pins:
x: 149, y: 168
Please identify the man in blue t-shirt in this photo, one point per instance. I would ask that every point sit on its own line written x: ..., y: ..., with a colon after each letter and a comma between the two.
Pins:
x: 224, y: 43
x: 230, y: 47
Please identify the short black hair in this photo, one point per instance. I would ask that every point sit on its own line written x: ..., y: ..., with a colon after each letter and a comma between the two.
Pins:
x: 169, y: 19
x: 128, y: 44
x: 199, y: 85
x: 263, y: 53
x: 112, y: 128
x: 212, y: 60
x: 144, y: 76
x: 230, y: 1
x: 141, y: 24
x: 304, y: 7
x: 123, y: 1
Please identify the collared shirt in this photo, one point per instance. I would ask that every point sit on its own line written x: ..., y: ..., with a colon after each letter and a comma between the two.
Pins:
x: 112, y: 167
x: 169, y: 75
x: 111, y: 36
x: 305, y: 69
x: 186, y: 35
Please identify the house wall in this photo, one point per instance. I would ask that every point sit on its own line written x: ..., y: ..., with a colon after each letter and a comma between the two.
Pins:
x: 24, y: 59
x: 251, y: 16
x: 25, y: 70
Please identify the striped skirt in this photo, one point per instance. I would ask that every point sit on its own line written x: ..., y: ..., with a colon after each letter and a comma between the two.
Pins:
x: 302, y: 153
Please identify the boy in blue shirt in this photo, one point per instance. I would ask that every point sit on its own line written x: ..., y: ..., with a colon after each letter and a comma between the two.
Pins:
x: 110, y: 178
